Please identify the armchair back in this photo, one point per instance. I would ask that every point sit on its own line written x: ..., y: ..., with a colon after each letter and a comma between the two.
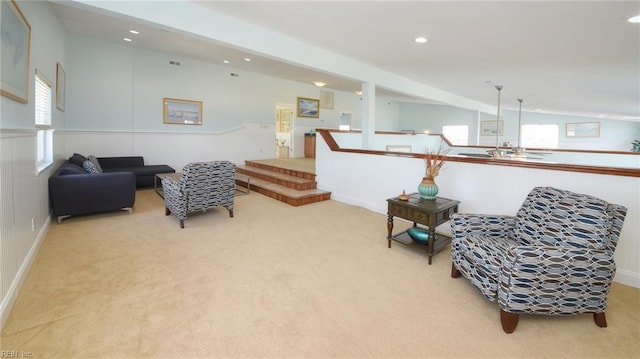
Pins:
x: 555, y: 217
x: 208, y: 184
x: 203, y: 185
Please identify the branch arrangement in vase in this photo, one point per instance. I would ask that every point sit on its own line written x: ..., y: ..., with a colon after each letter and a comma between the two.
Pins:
x: 434, y: 162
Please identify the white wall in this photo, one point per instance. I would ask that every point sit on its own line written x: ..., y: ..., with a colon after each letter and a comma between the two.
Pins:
x: 368, y: 180
x: 121, y: 87
x: 431, y: 117
x: 615, y: 135
x: 118, y: 88
x: 25, y: 203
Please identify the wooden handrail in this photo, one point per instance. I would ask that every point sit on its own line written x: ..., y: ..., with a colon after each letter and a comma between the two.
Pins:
x: 614, y: 171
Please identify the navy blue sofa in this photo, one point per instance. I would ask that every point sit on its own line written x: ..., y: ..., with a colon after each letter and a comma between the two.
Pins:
x: 73, y: 190
x: 145, y: 174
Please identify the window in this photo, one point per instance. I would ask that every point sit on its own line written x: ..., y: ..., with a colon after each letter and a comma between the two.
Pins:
x: 457, y: 135
x: 539, y: 136
x: 44, y: 135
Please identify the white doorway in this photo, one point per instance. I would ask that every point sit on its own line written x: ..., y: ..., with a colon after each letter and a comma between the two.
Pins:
x: 284, y: 131
x: 344, y: 121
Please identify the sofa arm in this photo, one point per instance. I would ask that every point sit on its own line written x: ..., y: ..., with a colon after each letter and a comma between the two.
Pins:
x: 91, y: 193
x: 121, y: 162
x: 479, y: 225
x: 568, y: 280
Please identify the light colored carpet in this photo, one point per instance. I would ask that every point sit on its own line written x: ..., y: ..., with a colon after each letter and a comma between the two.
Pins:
x: 274, y: 281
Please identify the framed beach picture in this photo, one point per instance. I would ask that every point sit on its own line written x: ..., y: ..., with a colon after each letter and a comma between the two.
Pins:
x: 308, y: 107
x: 583, y: 129
x: 61, y: 84
x: 182, y: 112
x: 489, y: 128
x: 16, y: 39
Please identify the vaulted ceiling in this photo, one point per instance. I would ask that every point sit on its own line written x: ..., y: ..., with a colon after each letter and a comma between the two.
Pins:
x: 574, y: 57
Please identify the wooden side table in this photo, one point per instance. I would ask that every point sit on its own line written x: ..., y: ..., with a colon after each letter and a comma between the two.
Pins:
x: 430, y: 213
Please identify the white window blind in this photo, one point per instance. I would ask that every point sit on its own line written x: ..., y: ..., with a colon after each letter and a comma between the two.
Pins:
x: 43, y: 100
x: 44, y: 136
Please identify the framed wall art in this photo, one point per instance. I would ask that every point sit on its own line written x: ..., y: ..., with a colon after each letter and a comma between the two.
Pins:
x: 182, y: 112
x: 16, y: 40
x: 583, y: 129
x: 61, y: 84
x: 308, y: 107
x: 489, y: 128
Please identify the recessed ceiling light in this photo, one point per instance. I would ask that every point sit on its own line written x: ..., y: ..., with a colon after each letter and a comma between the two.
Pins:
x: 226, y: 61
x: 420, y: 40
x: 358, y: 92
x: 134, y: 32
x: 319, y: 83
x: 247, y: 59
x: 635, y: 19
x: 127, y: 39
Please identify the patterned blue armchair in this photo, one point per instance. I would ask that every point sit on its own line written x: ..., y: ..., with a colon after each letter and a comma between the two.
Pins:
x: 555, y: 257
x: 202, y: 186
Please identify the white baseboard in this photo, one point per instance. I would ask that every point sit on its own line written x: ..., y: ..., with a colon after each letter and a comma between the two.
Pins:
x: 627, y: 278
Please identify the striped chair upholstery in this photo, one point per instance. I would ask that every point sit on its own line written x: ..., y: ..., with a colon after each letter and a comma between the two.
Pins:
x: 554, y: 257
x: 203, y: 185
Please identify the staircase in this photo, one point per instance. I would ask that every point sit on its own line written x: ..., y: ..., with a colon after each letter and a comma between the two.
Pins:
x: 270, y: 178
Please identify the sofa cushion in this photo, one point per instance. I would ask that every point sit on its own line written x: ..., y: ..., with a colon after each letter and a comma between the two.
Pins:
x: 71, y: 169
x: 77, y: 159
x: 120, y: 162
x: 91, y: 167
x: 95, y: 162
x: 149, y: 170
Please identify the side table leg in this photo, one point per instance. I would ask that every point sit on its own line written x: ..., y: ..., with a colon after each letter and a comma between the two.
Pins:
x: 431, y: 244
x: 389, y: 229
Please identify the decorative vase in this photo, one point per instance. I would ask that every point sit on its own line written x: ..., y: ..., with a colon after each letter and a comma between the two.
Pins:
x: 428, y: 189
x: 418, y: 235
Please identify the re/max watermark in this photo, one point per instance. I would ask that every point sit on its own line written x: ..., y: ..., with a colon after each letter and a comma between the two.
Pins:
x: 15, y: 354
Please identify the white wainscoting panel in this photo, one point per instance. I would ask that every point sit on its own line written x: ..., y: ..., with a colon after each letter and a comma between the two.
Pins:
x: 176, y: 149
x: 25, y: 212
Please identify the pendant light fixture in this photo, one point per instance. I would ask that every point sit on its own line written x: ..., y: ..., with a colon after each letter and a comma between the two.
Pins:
x: 498, y: 152
x: 519, y: 151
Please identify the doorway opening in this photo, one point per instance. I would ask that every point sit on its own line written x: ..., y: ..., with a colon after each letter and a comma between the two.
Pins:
x: 284, y: 131
x: 345, y: 121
